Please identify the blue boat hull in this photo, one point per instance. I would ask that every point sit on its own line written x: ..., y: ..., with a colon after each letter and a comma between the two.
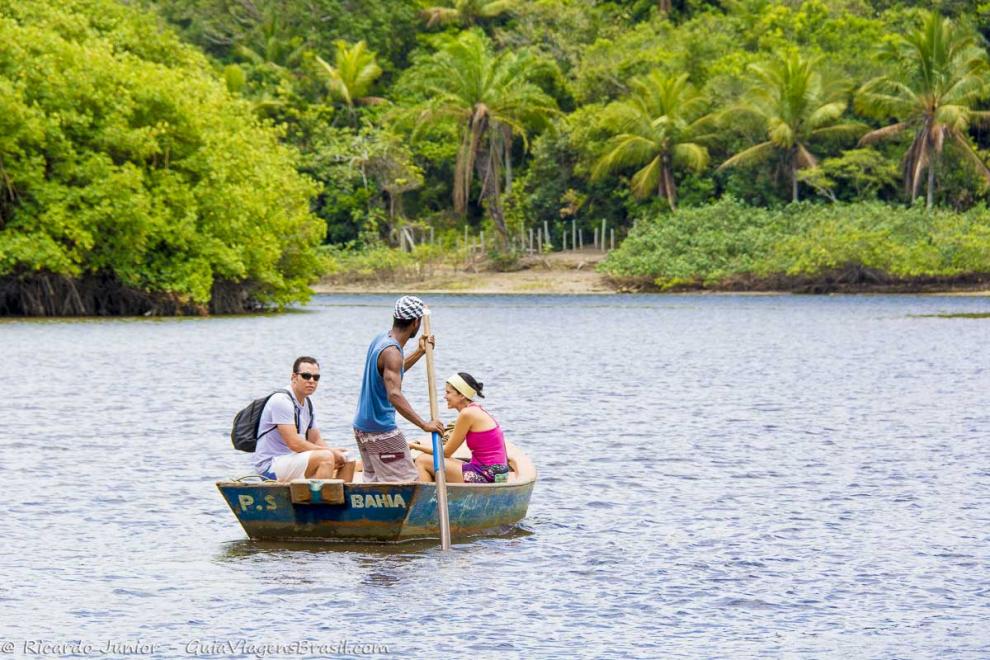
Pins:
x: 382, y: 513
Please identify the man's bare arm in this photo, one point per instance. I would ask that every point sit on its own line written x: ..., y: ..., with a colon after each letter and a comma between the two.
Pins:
x: 314, y: 436
x: 419, y: 352
x: 391, y: 362
x: 296, y: 442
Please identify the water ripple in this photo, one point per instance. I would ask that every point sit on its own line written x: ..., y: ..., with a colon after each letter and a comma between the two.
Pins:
x: 720, y: 477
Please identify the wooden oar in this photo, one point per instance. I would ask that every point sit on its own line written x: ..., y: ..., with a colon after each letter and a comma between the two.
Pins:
x: 439, y: 461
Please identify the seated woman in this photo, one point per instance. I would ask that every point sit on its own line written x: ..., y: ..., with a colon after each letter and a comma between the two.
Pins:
x: 480, y: 430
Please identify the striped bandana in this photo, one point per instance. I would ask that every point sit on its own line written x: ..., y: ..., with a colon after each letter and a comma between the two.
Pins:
x: 408, y: 308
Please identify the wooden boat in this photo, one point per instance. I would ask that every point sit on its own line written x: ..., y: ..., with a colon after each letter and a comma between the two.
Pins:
x: 378, y: 513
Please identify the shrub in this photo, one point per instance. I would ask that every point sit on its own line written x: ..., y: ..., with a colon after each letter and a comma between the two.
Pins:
x: 729, y: 240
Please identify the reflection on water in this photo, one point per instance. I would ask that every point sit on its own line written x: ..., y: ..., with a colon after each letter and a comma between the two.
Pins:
x: 235, y: 550
x: 719, y: 476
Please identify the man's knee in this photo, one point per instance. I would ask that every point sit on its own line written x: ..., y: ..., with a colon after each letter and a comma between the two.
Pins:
x: 319, y: 457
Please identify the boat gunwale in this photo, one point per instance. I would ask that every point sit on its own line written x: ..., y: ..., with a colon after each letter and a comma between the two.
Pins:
x: 271, y: 483
x: 523, y: 464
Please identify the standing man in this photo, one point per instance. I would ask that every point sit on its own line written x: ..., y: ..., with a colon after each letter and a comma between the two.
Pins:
x: 383, y: 448
x: 289, y: 442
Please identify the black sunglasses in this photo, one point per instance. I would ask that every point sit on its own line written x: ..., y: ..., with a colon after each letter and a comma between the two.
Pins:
x: 305, y: 375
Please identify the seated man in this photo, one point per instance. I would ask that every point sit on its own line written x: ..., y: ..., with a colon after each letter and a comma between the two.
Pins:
x: 289, y: 442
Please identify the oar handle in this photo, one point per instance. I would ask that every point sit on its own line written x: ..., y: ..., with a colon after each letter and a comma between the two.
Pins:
x: 439, y: 464
x: 431, y: 380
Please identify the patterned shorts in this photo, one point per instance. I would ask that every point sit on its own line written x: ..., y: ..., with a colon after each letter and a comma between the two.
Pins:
x: 483, y: 474
x: 385, y: 457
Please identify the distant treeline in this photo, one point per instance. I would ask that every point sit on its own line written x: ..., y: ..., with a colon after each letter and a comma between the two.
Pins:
x: 181, y: 147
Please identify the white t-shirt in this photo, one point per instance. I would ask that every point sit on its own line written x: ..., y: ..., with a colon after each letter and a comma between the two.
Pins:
x: 280, y: 409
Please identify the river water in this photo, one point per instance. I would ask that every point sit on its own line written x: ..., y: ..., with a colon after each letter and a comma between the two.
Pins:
x: 720, y: 476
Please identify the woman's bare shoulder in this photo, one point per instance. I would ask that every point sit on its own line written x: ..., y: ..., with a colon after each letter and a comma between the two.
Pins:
x: 471, y: 412
x: 478, y: 415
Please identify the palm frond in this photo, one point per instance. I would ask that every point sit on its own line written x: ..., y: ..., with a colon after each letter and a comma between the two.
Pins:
x: 973, y: 158
x: 754, y: 154
x: 623, y: 151
x: 979, y: 117
x: 884, y: 133
x: 497, y: 8
x: 691, y: 155
x: 645, y: 181
x: 849, y: 129
x: 781, y: 133
x: 826, y: 114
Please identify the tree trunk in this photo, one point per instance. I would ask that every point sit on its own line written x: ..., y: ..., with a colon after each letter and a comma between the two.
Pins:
x: 507, y: 143
x: 488, y: 164
x: 468, y: 158
x: 794, y: 179
x: 931, y: 181
x: 667, y: 183
x: 665, y: 6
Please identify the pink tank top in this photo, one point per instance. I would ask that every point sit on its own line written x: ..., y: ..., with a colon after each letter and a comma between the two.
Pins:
x: 487, y: 447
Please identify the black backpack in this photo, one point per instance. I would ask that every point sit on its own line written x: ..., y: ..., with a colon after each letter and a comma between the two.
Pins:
x: 244, y: 433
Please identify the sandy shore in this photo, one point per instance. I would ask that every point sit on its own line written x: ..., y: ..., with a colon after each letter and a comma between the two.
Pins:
x: 557, y: 273
x: 573, y: 273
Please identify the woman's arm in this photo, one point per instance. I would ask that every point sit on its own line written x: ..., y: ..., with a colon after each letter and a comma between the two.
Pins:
x: 464, y: 421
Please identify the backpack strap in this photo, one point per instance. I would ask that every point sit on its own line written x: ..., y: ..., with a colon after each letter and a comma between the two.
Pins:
x: 295, y: 412
x: 309, y: 402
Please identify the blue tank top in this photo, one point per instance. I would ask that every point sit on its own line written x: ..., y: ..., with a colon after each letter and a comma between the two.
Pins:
x: 375, y: 413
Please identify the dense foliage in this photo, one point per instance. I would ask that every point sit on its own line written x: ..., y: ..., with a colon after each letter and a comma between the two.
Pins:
x: 125, y: 161
x: 684, y: 101
x: 494, y: 115
x: 805, y: 245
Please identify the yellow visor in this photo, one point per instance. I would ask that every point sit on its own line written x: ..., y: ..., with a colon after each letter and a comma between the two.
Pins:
x: 461, y: 386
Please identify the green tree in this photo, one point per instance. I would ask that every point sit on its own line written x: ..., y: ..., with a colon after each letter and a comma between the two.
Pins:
x: 661, y: 124
x: 795, y: 104
x: 352, y: 74
x: 272, y: 45
x: 490, y: 99
x: 941, y: 73
x: 466, y: 12
x: 131, y: 180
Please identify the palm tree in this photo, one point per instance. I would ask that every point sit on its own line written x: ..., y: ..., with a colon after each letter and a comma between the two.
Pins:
x: 942, y: 73
x: 272, y: 45
x: 466, y: 12
x: 795, y: 104
x: 353, y: 74
x: 491, y: 99
x: 660, y: 124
